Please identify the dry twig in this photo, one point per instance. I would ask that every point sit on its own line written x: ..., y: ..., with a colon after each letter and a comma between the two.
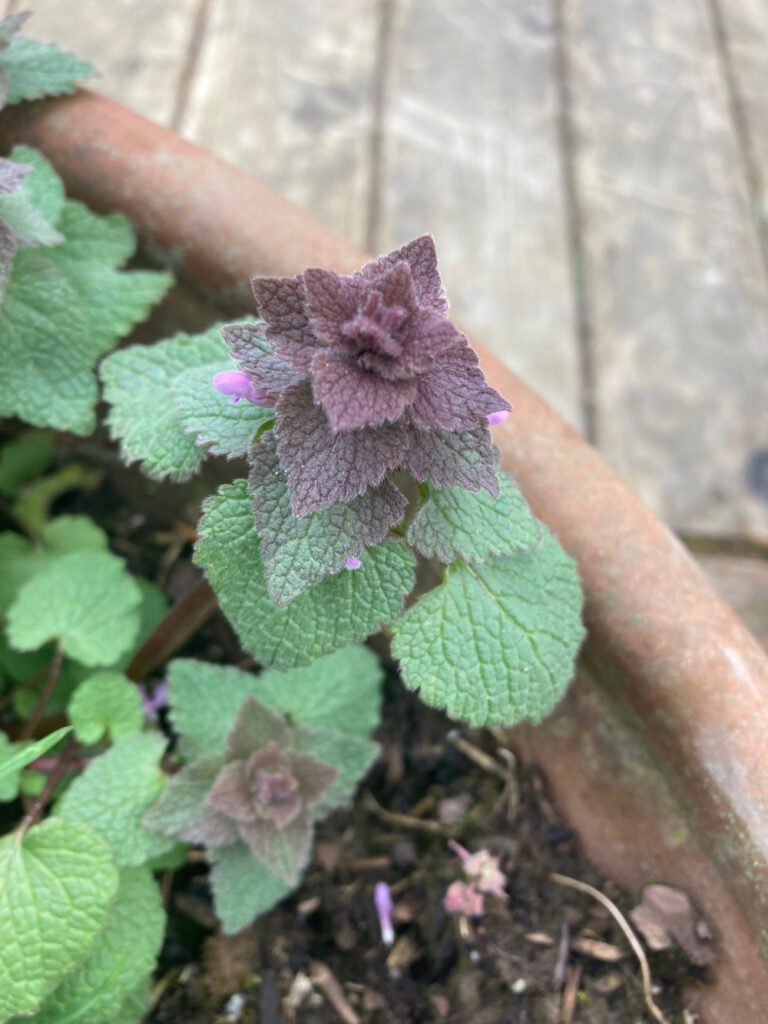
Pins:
x: 621, y: 921
x: 324, y: 981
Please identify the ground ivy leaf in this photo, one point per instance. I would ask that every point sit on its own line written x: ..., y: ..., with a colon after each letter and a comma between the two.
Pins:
x: 495, y: 643
x: 341, y: 610
x: 210, y: 417
x: 56, y: 885
x: 138, y: 384
x: 113, y: 793
x: 40, y: 69
x: 105, y: 702
x: 242, y: 887
x: 339, y: 692
x: 121, y: 957
x: 43, y: 183
x: 351, y: 756
x: 86, y: 600
x: 134, y: 1008
x: 299, y: 552
x: 473, y: 525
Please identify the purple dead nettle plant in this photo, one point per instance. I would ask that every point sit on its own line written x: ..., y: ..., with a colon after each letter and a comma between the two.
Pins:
x: 367, y: 375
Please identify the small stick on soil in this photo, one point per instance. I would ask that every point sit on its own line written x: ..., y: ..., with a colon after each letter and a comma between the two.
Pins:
x: 322, y: 978
x: 403, y: 820
x: 563, y: 949
x: 480, y: 758
x: 621, y: 921
x: 570, y: 993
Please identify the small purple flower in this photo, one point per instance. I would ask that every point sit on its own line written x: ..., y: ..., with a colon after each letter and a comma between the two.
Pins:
x: 353, y: 563
x: 151, y: 703
x: 497, y: 417
x: 463, y: 898
x: 382, y: 900
x: 233, y: 382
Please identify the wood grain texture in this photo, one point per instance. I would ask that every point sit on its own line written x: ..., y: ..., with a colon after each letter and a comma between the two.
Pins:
x: 673, y: 266
x: 138, y: 46
x: 470, y: 153
x: 284, y: 89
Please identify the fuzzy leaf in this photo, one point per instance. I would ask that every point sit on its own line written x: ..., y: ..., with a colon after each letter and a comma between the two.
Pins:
x: 463, y: 459
x: 495, y: 643
x: 23, y: 459
x: 138, y: 384
x: 243, y: 888
x: 338, y: 692
x: 210, y: 417
x: 40, y: 69
x: 28, y: 225
x: 134, y: 1007
x: 472, y: 525
x: 341, y: 610
x: 351, y: 756
x: 113, y: 793
x: 85, y: 600
x: 181, y: 811
x: 62, y: 310
x: 122, y: 955
x: 43, y: 184
x: 105, y: 702
x: 299, y: 552
x: 56, y: 885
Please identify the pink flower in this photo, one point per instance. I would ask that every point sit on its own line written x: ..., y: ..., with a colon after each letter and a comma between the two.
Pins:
x: 497, y: 417
x: 482, y: 869
x: 232, y: 382
x: 353, y: 563
x: 463, y: 898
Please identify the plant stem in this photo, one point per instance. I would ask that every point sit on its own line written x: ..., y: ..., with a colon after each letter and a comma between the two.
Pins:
x: 61, y: 768
x: 184, y: 619
x: 45, y: 696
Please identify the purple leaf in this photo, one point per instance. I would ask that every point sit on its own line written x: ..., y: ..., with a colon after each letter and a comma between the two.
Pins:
x: 453, y: 395
x: 281, y: 304
x: 467, y: 458
x: 353, y: 397
x: 421, y: 257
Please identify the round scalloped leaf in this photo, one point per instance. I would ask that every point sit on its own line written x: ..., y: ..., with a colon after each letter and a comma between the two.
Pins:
x: 495, y: 643
x: 56, y: 886
x: 340, y: 610
x: 121, y: 957
x: 105, y: 702
x: 86, y: 600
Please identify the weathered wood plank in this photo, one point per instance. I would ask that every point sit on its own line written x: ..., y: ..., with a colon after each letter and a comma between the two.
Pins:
x: 284, y: 89
x: 674, y: 275
x: 745, y: 24
x: 139, y: 47
x: 471, y: 154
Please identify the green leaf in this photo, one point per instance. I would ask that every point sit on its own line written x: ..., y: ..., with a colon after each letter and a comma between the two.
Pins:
x: 20, y: 560
x: 56, y: 885
x: 43, y: 183
x: 181, y: 805
x: 20, y: 667
x: 299, y: 552
x: 495, y: 643
x: 473, y: 525
x: 351, y: 756
x: 340, y: 610
x: 86, y: 600
x: 33, y: 506
x: 242, y: 887
x: 138, y: 384
x: 28, y: 225
x: 339, y: 692
x: 65, y: 308
x: 15, y: 756
x: 105, y: 702
x: 23, y: 459
x: 210, y: 417
x: 41, y: 69
x: 135, y: 1006
x: 113, y: 793
x: 122, y: 956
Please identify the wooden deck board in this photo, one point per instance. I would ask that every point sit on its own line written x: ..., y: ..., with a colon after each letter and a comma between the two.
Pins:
x: 676, y: 286
x: 138, y: 46
x: 470, y: 153
x: 284, y: 89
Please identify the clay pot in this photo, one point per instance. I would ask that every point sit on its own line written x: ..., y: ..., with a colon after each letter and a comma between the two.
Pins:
x: 658, y: 757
